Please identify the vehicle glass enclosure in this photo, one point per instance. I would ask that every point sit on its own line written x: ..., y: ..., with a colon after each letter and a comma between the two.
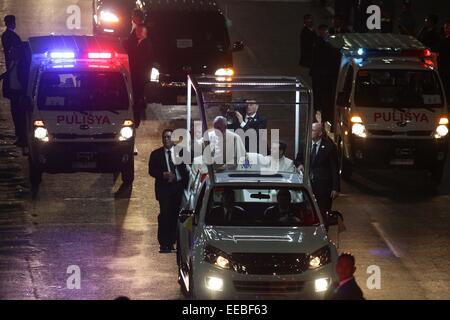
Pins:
x: 285, y: 103
x: 260, y: 207
x: 68, y: 90
x: 388, y: 88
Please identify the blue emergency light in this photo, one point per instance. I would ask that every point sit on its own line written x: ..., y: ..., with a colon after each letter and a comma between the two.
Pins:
x: 360, y: 51
x: 62, y: 55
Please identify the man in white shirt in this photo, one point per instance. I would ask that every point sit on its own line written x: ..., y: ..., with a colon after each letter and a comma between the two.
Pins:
x: 226, y: 146
x: 284, y: 164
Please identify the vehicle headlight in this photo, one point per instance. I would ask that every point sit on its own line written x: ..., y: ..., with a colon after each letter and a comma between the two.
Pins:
x: 320, y: 258
x: 41, y: 134
x: 217, y: 257
x: 126, y: 133
x: 108, y: 17
x: 214, y: 283
x: 441, y: 131
x: 224, y: 72
x: 322, y: 284
x: 358, y: 129
x: 154, y: 75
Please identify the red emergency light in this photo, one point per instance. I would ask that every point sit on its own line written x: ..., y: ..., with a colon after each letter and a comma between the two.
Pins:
x: 421, y: 53
x: 99, y: 55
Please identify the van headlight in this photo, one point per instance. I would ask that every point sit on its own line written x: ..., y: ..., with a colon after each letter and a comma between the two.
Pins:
x: 319, y: 258
x: 126, y: 133
x: 217, y: 257
x: 322, y: 284
x: 154, y: 75
x: 359, y: 130
x: 441, y: 131
x: 41, y: 134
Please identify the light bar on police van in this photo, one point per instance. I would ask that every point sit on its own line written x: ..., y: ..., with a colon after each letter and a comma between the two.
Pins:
x: 99, y: 55
x: 62, y: 55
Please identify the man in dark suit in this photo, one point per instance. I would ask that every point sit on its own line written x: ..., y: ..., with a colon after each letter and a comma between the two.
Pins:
x: 251, y: 120
x: 324, y: 172
x: 170, y: 180
x: 348, y: 288
x: 12, y: 84
x: 307, y: 39
x: 227, y: 213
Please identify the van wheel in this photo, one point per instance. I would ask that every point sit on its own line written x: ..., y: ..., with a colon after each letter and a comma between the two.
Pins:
x: 35, y: 174
x: 128, y: 172
x: 345, y: 167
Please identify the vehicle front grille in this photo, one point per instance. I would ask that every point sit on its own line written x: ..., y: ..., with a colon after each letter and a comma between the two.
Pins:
x: 389, y: 133
x: 268, y: 287
x: 270, y: 263
x: 71, y: 136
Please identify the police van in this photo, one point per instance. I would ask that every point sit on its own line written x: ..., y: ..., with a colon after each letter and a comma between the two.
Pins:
x: 80, y: 120
x: 390, y: 106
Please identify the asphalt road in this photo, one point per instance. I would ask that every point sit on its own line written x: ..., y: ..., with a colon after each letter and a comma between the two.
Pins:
x: 393, y: 220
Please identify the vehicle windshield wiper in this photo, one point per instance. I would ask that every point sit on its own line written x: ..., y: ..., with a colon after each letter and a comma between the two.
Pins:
x: 430, y: 109
x: 399, y: 109
x: 113, y: 111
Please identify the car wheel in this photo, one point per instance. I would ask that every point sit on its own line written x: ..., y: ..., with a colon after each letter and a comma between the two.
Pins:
x: 128, y: 172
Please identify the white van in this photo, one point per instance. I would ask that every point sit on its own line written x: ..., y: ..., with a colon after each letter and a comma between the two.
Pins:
x: 391, y: 108
x: 81, y: 118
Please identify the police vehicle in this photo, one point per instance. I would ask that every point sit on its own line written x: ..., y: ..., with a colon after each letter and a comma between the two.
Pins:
x: 80, y: 99
x: 391, y: 108
x: 252, y: 254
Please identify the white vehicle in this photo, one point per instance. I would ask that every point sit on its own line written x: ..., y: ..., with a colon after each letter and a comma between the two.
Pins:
x: 391, y: 108
x: 80, y: 99
x: 258, y: 252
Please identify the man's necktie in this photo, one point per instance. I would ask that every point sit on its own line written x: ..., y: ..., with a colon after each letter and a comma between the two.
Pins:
x: 314, y: 152
x: 171, y: 164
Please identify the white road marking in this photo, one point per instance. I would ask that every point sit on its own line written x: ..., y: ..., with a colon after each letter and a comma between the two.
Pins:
x: 388, y: 242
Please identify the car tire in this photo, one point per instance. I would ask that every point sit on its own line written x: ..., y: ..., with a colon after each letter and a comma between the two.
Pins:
x: 128, y: 171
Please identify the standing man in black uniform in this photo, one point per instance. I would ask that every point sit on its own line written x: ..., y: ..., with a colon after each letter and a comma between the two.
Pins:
x: 323, y: 172
x: 170, y: 180
x: 308, y: 37
x: 250, y: 120
x: 444, y: 58
x: 12, y: 84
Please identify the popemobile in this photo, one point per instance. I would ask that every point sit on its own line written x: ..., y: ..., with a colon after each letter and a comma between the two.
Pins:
x: 234, y: 241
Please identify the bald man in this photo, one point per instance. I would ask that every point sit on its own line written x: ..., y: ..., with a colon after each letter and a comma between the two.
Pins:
x: 324, y: 170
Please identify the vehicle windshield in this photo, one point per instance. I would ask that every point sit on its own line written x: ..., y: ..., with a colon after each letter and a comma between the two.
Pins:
x: 82, y: 91
x: 398, y: 89
x: 184, y: 30
x: 260, y: 207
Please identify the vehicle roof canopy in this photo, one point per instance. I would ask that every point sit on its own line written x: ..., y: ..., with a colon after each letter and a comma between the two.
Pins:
x: 285, y: 102
x: 351, y: 42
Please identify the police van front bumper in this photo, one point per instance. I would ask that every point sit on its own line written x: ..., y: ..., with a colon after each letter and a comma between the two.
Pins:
x: 381, y: 153
x: 66, y: 157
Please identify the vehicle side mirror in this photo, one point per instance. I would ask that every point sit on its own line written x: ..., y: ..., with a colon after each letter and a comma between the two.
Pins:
x: 342, y: 99
x: 185, y: 214
x: 333, y: 218
x: 238, y: 46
